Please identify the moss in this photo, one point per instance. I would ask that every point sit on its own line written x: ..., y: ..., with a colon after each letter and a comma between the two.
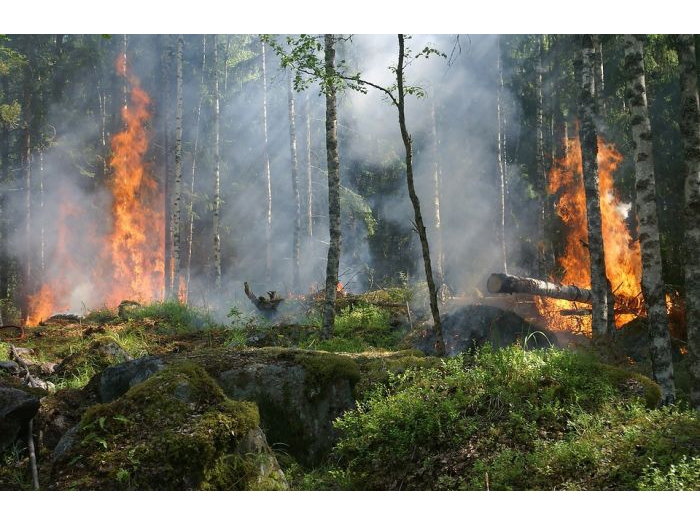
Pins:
x: 168, y: 432
x: 4, y: 351
x: 323, y: 368
x: 377, y: 366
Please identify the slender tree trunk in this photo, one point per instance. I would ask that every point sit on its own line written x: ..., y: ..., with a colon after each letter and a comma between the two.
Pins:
x: 195, y: 148
x: 501, y: 161
x: 309, y: 174
x: 690, y: 131
x: 216, y: 227
x: 333, y: 160
x: 27, y: 168
x: 599, y: 73
x: 437, y: 190
x: 296, y: 248
x: 42, y: 228
x: 543, y: 247
x: 266, y: 172
x: 434, y: 309
x: 166, y: 53
x: 602, y: 309
x: 177, y: 190
x: 652, y: 282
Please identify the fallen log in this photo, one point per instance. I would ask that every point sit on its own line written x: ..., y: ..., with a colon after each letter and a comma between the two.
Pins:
x: 504, y: 283
x: 265, y: 304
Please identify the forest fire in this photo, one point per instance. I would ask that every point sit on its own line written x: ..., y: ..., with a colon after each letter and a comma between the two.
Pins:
x: 135, y: 247
x: 622, y: 253
x: 128, y: 260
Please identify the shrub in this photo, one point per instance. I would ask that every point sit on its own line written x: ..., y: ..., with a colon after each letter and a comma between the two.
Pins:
x: 549, y: 419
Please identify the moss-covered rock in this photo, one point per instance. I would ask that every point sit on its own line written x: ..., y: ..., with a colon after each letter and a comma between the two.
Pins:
x: 299, y: 392
x: 175, y: 431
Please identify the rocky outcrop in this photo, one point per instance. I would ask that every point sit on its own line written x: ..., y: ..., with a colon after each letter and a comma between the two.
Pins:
x: 299, y: 393
x: 472, y: 326
x: 17, y: 408
x: 174, y: 431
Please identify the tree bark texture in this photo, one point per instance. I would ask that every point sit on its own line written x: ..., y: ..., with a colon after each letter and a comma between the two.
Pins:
x: 216, y: 226
x: 652, y: 281
x: 333, y: 160
x: 296, y: 242
x: 418, y: 218
x: 166, y: 57
x: 437, y: 190
x: 504, y: 283
x: 309, y: 173
x: 690, y: 132
x: 602, y: 322
x: 177, y: 189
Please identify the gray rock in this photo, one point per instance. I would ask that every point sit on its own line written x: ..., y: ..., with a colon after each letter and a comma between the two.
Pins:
x: 472, y: 326
x: 117, y: 379
x: 17, y: 408
x: 255, y: 443
x: 9, y: 367
x: 294, y: 418
x: 65, y: 444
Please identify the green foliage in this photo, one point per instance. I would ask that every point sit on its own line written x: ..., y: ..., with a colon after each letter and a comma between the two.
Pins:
x: 174, y: 316
x: 101, y: 316
x: 10, y: 114
x: 530, y: 419
x: 4, y: 351
x: 682, y: 476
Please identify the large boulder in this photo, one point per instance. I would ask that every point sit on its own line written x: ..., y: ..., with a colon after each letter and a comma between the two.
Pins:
x: 472, y: 326
x: 17, y: 408
x: 299, y: 393
x: 174, y: 431
x: 116, y: 380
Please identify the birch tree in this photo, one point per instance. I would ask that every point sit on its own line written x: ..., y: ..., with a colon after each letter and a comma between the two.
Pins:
x: 500, y: 148
x: 602, y: 322
x: 177, y: 189
x: 296, y: 244
x: 216, y: 226
x: 690, y: 132
x: 645, y: 184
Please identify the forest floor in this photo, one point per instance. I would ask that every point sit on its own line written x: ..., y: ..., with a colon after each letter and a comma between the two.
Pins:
x: 365, y: 410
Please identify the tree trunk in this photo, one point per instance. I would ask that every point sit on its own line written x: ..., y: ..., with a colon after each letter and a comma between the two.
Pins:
x: 542, y: 248
x: 296, y: 248
x: 195, y: 147
x: 333, y: 160
x: 434, y: 309
x: 167, y: 178
x: 266, y: 172
x: 501, y: 160
x: 599, y: 73
x: 690, y: 131
x: 437, y: 190
x: 504, y: 283
x: 216, y: 227
x: 309, y: 174
x: 652, y: 282
x: 603, y: 319
x: 177, y: 190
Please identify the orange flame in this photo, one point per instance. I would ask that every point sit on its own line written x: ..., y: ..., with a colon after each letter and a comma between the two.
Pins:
x: 135, y: 247
x: 129, y: 262
x: 623, y: 263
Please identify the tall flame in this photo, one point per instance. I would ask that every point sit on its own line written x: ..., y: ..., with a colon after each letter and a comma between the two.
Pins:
x: 623, y: 264
x: 135, y: 247
x: 128, y: 260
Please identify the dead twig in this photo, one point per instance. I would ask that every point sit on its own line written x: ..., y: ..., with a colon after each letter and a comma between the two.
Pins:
x: 32, y: 454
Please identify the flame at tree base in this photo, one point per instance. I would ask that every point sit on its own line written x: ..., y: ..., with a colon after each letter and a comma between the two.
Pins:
x: 623, y: 261
x: 127, y: 261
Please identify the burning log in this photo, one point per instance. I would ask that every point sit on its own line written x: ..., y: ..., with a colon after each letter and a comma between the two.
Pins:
x: 265, y: 304
x: 504, y: 283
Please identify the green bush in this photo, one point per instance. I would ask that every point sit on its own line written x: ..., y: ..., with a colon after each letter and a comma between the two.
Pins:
x: 683, y: 476
x: 549, y: 419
